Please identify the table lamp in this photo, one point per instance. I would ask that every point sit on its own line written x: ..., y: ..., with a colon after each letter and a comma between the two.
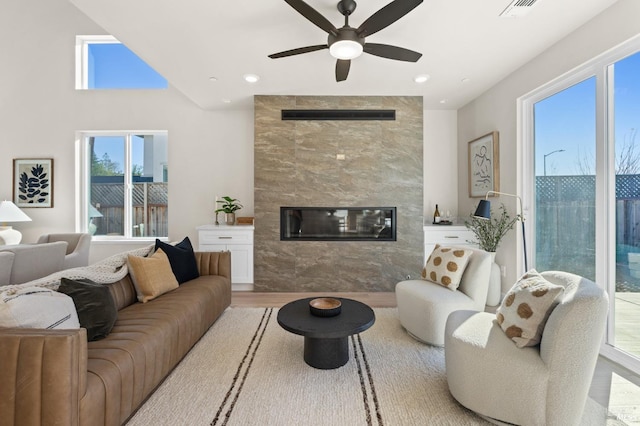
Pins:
x: 93, y: 212
x: 9, y: 212
x: 483, y: 211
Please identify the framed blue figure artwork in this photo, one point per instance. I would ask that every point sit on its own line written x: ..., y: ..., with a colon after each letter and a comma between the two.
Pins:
x: 484, y: 165
x: 33, y: 182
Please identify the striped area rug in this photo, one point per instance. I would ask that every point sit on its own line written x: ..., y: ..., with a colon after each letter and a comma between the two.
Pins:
x: 247, y: 370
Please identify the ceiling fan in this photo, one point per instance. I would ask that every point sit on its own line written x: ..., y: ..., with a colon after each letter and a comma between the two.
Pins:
x: 347, y: 43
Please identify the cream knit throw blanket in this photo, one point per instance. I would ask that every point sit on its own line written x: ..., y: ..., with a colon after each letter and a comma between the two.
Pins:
x: 107, y: 271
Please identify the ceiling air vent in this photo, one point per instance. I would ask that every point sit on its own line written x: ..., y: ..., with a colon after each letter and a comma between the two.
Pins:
x: 518, y: 8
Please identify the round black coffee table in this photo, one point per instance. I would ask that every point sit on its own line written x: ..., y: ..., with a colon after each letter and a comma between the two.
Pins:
x: 326, y: 339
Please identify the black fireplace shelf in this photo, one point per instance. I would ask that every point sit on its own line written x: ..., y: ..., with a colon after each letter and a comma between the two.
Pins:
x: 338, y: 223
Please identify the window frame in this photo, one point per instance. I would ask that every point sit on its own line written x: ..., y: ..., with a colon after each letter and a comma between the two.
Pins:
x: 82, y: 56
x: 605, y: 214
x: 83, y: 174
x: 82, y: 62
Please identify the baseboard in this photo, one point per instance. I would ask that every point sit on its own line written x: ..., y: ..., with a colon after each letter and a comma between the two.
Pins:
x: 242, y: 287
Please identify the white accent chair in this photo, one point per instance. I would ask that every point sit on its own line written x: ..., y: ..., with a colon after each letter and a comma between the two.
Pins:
x: 78, y: 246
x: 423, y: 306
x: 538, y: 385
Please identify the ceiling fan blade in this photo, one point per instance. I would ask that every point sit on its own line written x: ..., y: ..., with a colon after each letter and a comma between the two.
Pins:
x: 298, y: 51
x: 392, y: 52
x: 342, y: 69
x: 313, y: 15
x: 386, y: 16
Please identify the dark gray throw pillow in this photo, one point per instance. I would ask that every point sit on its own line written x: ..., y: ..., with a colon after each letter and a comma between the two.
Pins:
x: 182, y: 259
x: 96, y: 308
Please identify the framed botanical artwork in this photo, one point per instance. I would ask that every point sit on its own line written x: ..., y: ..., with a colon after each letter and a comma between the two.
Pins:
x: 33, y: 182
x: 484, y: 165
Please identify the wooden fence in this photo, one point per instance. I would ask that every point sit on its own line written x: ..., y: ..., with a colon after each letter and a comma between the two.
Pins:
x: 150, y: 209
x: 565, y: 222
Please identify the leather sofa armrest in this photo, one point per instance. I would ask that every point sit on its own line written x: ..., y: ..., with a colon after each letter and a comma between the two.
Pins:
x: 214, y: 263
x: 43, y: 375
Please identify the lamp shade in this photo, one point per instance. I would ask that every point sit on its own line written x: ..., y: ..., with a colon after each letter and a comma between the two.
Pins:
x: 9, y: 212
x: 484, y: 210
x: 93, y: 212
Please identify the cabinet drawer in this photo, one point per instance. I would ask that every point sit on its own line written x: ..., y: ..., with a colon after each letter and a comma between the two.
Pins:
x: 226, y: 237
x: 449, y: 237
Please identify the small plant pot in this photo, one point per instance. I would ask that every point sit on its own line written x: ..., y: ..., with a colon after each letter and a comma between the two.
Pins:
x: 230, y: 218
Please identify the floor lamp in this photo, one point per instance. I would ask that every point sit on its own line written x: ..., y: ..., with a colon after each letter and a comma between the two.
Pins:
x: 484, y: 212
x: 9, y: 212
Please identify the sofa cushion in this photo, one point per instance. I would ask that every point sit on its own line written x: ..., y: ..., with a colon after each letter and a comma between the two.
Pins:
x: 6, y: 262
x: 151, y: 276
x: 526, y: 307
x: 181, y: 258
x: 95, y: 307
x: 446, y: 265
x: 37, y: 307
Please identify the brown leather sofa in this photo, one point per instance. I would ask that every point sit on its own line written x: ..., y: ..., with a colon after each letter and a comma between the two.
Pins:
x: 56, y: 377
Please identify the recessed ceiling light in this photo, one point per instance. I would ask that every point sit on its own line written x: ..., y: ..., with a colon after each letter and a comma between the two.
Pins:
x: 443, y: 101
x: 226, y: 101
x: 465, y: 80
x: 213, y: 78
x: 251, y: 78
x: 421, y: 78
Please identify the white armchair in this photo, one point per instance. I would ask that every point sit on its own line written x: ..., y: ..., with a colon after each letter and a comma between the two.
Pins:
x: 423, y: 306
x: 78, y: 246
x: 538, y: 385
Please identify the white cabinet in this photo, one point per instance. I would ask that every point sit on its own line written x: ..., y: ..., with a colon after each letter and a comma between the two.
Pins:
x: 237, y: 239
x: 446, y: 235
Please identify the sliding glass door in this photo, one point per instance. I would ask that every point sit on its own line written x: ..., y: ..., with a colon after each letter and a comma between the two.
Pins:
x: 624, y: 80
x: 582, y: 179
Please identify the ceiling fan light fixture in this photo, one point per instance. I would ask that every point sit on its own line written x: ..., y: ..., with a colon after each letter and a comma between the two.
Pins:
x: 345, y: 49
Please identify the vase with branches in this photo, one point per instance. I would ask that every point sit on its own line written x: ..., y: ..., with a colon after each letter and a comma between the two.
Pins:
x: 489, y: 232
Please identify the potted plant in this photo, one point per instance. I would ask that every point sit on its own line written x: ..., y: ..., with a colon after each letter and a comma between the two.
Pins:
x: 489, y: 232
x: 229, y: 206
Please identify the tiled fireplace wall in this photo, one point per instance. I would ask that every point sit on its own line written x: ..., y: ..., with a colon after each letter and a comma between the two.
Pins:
x: 296, y: 165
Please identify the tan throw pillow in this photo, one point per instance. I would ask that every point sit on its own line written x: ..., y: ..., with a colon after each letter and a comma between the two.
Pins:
x: 526, y: 307
x: 445, y: 266
x: 151, y: 276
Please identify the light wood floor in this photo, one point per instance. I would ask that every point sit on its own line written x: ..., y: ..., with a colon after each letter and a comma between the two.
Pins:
x: 613, y: 387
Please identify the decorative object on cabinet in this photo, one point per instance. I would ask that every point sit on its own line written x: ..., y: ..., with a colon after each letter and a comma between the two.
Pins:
x: 9, y: 212
x: 244, y: 220
x: 488, y: 228
x: 484, y: 165
x: 483, y: 212
x: 239, y: 241
x: 33, y: 182
x: 229, y: 206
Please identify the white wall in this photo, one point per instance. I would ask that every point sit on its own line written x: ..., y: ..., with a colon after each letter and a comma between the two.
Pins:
x: 210, y: 153
x: 496, y: 108
x: 440, y: 163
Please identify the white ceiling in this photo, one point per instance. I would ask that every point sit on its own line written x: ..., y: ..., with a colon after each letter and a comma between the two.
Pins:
x: 189, y: 41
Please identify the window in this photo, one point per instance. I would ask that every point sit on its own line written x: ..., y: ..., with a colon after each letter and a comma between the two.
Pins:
x: 581, y: 174
x: 102, y: 62
x: 123, y: 184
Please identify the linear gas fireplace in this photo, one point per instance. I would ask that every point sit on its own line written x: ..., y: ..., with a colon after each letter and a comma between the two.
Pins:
x: 338, y: 223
